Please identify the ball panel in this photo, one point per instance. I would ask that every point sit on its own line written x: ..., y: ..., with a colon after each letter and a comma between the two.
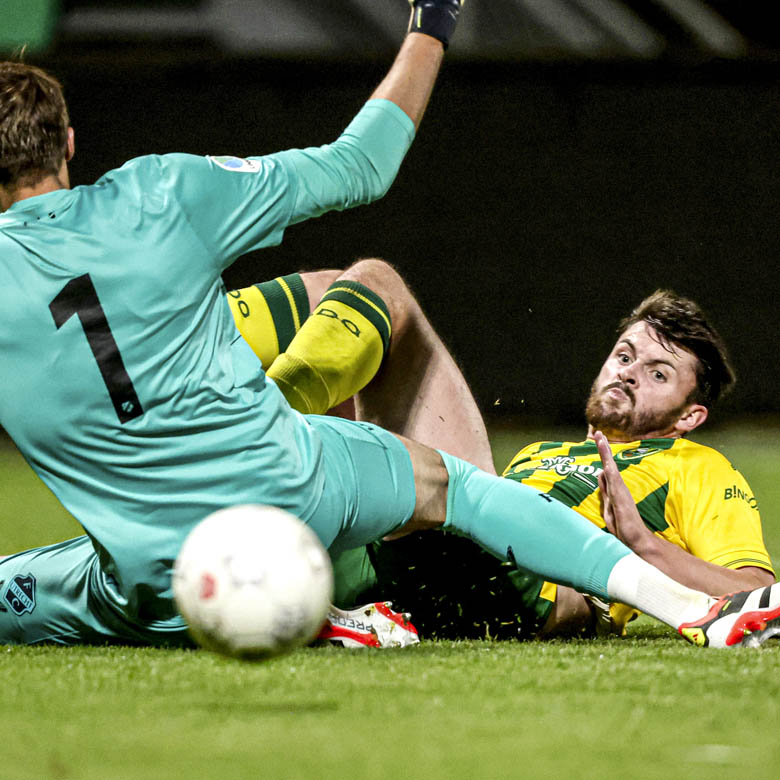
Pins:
x: 253, y: 581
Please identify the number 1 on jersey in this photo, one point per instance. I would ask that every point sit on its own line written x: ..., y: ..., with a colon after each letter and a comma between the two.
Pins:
x: 79, y: 297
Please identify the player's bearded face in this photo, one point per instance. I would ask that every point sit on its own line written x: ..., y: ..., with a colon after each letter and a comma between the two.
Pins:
x: 604, y: 414
x: 643, y: 388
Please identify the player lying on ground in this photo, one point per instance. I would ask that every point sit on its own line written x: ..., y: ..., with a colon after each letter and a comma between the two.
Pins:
x: 142, y: 408
x: 699, y: 520
x: 697, y: 517
x: 688, y: 494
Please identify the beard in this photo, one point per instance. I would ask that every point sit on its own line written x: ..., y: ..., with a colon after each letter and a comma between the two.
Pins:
x: 621, y: 420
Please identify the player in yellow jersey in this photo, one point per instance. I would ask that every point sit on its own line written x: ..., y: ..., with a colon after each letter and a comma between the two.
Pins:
x: 696, y: 519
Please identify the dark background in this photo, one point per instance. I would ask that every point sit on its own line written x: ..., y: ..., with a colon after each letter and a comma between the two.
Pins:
x: 542, y: 199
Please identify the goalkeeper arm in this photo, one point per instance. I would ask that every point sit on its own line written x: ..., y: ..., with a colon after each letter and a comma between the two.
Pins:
x: 362, y: 164
x: 410, y: 81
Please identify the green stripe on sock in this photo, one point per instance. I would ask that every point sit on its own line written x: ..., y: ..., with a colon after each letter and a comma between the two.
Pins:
x: 300, y: 296
x: 361, y: 298
x: 280, y: 307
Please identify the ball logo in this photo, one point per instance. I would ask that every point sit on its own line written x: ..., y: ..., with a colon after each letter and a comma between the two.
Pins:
x: 208, y: 586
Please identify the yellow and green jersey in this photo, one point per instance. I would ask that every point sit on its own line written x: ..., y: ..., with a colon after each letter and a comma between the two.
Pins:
x: 685, y: 492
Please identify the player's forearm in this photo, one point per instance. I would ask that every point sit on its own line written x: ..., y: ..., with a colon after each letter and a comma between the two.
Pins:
x: 409, y: 82
x: 362, y: 164
x: 696, y: 573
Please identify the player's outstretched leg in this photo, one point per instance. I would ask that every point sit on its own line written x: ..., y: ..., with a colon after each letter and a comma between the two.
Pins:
x: 419, y: 392
x: 368, y: 335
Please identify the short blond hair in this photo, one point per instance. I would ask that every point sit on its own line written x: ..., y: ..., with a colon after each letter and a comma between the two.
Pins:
x: 33, y: 125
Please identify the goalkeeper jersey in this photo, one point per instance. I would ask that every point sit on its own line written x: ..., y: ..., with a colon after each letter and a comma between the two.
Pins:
x: 142, y: 410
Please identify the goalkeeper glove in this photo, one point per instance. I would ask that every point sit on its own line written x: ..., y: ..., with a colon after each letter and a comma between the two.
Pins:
x: 436, y: 18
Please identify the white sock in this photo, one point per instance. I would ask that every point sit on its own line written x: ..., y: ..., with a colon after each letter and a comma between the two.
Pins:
x: 637, y: 583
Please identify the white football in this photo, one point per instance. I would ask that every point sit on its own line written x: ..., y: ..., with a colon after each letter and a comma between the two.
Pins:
x: 253, y: 581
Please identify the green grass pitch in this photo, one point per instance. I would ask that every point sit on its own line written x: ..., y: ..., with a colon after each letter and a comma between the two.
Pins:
x: 648, y: 706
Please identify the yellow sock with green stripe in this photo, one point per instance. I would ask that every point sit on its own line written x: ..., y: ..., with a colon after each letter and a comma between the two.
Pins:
x: 268, y: 315
x: 337, y: 351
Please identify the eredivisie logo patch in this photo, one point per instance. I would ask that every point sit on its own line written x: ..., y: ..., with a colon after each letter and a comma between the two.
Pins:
x: 237, y: 164
x: 20, y: 594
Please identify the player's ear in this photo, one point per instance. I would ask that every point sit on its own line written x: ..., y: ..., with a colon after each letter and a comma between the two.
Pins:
x: 692, y: 417
x: 71, y: 145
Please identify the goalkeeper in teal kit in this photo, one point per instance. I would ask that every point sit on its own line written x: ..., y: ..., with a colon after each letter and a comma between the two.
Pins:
x: 143, y: 412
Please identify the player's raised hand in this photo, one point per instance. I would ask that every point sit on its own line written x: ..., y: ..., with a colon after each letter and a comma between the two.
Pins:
x: 618, y: 507
x: 436, y: 18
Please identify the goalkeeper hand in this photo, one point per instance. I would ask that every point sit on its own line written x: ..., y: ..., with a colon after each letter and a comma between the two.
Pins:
x: 436, y: 18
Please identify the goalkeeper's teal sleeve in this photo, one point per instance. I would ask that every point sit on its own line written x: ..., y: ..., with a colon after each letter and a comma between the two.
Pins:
x: 357, y: 168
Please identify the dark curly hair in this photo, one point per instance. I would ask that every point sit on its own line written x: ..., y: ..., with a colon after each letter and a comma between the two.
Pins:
x: 681, y: 321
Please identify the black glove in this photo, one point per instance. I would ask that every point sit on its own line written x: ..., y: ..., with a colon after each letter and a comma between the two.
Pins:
x: 436, y: 18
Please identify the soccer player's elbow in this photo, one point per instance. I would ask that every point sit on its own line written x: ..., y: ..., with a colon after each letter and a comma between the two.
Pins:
x: 377, y: 184
x: 375, y: 175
